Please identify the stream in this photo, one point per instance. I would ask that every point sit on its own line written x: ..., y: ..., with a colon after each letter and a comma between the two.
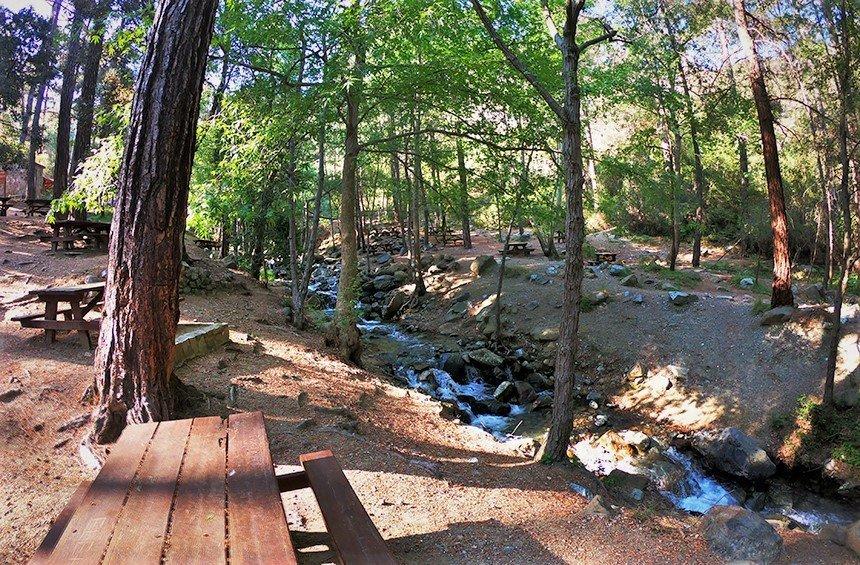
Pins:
x: 677, y: 474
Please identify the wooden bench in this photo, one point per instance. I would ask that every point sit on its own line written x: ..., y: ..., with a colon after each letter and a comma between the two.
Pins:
x: 605, y: 256
x: 204, y: 490
x: 68, y: 232
x: 73, y: 316
x: 33, y: 206
x: 519, y: 248
x: 207, y: 243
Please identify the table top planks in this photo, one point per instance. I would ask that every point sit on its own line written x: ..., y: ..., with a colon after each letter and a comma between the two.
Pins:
x: 171, y: 491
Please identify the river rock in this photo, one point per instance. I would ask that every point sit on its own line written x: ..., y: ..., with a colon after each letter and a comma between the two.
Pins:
x: 852, y: 537
x: 452, y: 411
x: 630, y: 280
x: 546, y: 333
x: 525, y: 392
x: 736, y: 533
x: 505, y: 391
x: 454, y: 365
x: 456, y: 311
x: 484, y: 356
x: 543, y: 401
x: 490, y: 406
x: 395, y: 303
x: 812, y: 294
x: 383, y: 258
x: 733, y: 452
x: 384, y: 282
x: 679, y: 298
x: 482, y: 264
x: 776, y: 316
x: 627, y: 485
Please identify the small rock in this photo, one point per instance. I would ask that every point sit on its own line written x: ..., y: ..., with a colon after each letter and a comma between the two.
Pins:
x: 10, y: 394
x: 505, y: 391
x: 617, y: 270
x: 746, y: 282
x: 776, y: 316
x: 75, y: 423
x: 601, y: 420
x: 485, y: 357
x: 630, y: 280
x: 679, y: 298
x: 732, y: 451
x: 597, y: 507
x: 546, y: 334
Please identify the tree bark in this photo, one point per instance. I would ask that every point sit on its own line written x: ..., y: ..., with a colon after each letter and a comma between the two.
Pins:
x: 781, y: 294
x: 417, y: 183
x: 26, y: 112
x: 134, y: 361
x: 67, y: 95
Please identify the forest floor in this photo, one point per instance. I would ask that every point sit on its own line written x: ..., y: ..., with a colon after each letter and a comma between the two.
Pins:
x: 438, y: 491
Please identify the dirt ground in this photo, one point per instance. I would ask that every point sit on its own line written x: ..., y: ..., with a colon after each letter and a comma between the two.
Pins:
x: 437, y: 491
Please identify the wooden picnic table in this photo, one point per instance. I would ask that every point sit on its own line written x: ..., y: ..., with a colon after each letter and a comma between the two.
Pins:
x: 69, y: 231
x: 33, y: 206
x: 518, y: 248
x: 207, y: 243
x: 5, y: 204
x: 204, y: 490
x: 73, y: 316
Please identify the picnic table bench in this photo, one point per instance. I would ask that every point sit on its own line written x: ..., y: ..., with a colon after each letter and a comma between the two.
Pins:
x: 73, y: 316
x: 204, y: 490
x: 5, y: 204
x: 68, y: 232
x: 32, y: 206
x: 518, y: 248
x: 605, y: 256
x: 207, y: 243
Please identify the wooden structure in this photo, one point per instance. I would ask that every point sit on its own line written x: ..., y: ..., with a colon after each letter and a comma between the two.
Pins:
x: 67, y: 232
x: 605, y: 257
x: 73, y: 316
x: 5, y: 204
x: 518, y: 248
x: 207, y: 243
x: 204, y: 490
x: 33, y: 206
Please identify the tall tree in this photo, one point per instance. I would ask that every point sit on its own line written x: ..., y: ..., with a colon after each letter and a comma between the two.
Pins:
x: 134, y: 361
x: 569, y: 117
x: 67, y: 95
x: 781, y: 294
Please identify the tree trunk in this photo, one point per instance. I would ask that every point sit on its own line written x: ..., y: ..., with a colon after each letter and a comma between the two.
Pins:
x: 781, y: 294
x: 223, y: 81
x: 86, y: 102
x: 464, y: 195
x: 36, y: 128
x: 265, y: 203
x: 134, y: 361
x: 418, y: 181
x: 744, y: 173
x: 67, y: 95
x: 343, y: 332
x: 26, y: 112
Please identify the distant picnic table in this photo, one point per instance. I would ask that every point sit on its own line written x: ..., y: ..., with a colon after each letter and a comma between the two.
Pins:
x: 33, y: 206
x: 204, y: 490
x: 446, y: 236
x: 81, y: 300
x: 67, y: 232
x: 207, y: 243
x: 518, y: 248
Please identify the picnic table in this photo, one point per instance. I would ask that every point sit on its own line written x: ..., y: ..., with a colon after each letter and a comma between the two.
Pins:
x: 207, y: 243
x: 518, y: 248
x: 204, y: 490
x: 605, y: 256
x: 73, y: 316
x: 68, y: 232
x: 33, y: 206
x: 5, y: 204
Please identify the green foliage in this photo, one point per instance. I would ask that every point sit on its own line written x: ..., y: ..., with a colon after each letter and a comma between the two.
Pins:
x: 760, y: 307
x: 680, y: 277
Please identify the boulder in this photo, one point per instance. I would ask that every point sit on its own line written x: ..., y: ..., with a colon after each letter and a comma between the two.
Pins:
x: 546, y: 333
x: 384, y: 282
x: 733, y: 452
x: 679, y: 298
x: 777, y: 315
x: 490, y: 406
x: 738, y: 534
x: 454, y: 365
x: 627, y: 485
x: 617, y: 270
x: 229, y: 262
x: 812, y: 294
x: 525, y: 392
x: 485, y: 357
x: 395, y: 303
x: 383, y: 258
x: 630, y: 280
x: 505, y: 391
x: 456, y: 311
x: 833, y: 533
x: 452, y: 411
x: 852, y: 537
x: 481, y: 265
x: 400, y: 276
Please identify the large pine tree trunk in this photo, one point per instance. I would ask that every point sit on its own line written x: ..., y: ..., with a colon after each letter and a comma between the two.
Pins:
x: 781, y: 294
x: 67, y: 95
x: 134, y: 361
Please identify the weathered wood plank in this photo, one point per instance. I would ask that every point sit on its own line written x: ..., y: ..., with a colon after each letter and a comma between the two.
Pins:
x: 355, y: 537
x: 142, y: 526
x: 87, y: 534
x: 256, y: 522
x: 58, y: 527
x: 198, y: 524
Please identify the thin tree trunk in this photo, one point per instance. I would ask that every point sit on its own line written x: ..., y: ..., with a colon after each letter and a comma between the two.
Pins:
x: 134, y: 361
x: 89, y: 83
x: 417, y: 185
x: 267, y: 197
x: 781, y: 294
x: 744, y: 172
x: 27, y: 111
x: 67, y: 95
x: 464, y: 195
x: 223, y: 81
x: 36, y: 128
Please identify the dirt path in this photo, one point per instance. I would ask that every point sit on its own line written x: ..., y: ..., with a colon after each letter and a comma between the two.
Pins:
x: 438, y: 492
